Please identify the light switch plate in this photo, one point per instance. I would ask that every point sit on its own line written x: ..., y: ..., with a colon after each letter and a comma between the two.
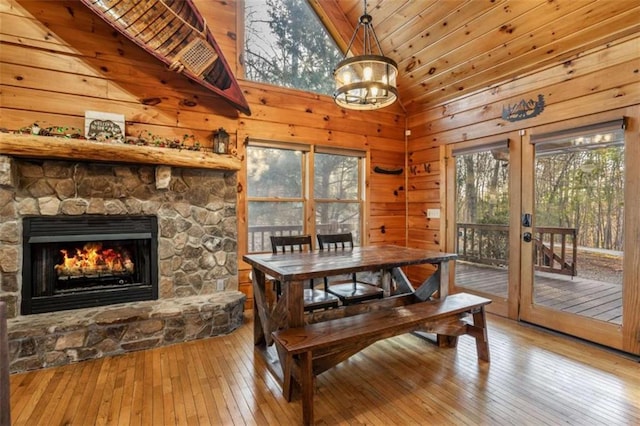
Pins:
x: 433, y: 213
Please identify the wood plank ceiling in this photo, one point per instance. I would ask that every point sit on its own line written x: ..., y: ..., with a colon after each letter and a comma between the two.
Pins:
x: 446, y: 49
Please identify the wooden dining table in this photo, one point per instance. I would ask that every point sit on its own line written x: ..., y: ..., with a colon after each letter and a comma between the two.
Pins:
x: 294, y: 270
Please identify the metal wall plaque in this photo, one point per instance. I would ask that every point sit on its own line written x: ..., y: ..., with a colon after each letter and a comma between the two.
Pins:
x: 523, y: 109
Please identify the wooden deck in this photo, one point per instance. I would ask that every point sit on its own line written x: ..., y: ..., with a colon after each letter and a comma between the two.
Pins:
x: 590, y: 298
x: 534, y: 378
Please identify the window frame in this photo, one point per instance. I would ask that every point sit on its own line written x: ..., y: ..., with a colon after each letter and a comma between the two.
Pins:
x: 307, y: 197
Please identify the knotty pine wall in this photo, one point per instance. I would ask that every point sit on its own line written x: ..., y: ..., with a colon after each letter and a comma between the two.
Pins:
x: 58, y: 59
x: 603, y: 79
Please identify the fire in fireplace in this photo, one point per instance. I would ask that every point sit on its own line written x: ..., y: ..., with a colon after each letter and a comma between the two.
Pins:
x: 85, y: 261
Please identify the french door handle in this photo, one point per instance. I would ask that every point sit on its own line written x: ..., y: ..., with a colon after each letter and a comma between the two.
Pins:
x: 526, y: 237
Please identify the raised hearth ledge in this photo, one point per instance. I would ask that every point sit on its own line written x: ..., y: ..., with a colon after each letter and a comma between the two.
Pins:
x: 49, y: 147
x: 64, y: 337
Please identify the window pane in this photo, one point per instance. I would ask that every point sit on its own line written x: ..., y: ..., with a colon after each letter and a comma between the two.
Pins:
x: 273, y: 218
x: 579, y: 226
x: 334, y: 218
x: 482, y: 220
x: 274, y: 172
x: 336, y: 177
x: 286, y: 45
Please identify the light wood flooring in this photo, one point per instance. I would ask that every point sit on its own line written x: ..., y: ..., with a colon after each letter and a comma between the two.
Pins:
x: 577, y: 295
x: 534, y: 378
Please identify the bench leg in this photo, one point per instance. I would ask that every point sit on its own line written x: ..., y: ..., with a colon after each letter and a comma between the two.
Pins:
x: 286, y: 379
x: 306, y: 367
x: 482, y: 341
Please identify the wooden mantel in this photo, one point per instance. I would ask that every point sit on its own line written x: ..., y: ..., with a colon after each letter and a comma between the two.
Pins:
x: 47, y: 147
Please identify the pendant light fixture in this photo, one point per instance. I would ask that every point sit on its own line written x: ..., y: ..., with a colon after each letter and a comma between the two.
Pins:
x: 366, y: 81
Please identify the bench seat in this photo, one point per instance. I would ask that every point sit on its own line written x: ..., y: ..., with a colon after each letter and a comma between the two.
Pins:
x: 310, y: 350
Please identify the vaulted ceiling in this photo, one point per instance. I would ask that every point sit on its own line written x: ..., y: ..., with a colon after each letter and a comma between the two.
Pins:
x: 446, y: 49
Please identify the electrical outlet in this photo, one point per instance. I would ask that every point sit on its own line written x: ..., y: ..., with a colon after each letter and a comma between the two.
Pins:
x: 220, y: 285
x: 433, y: 213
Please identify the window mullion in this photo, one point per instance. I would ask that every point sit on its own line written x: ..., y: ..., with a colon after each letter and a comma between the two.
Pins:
x: 310, y: 208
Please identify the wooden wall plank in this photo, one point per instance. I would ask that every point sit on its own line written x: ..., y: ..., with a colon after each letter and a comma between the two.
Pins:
x: 498, y: 24
x: 609, y: 55
x: 617, y: 97
x: 626, y: 73
x: 554, y: 42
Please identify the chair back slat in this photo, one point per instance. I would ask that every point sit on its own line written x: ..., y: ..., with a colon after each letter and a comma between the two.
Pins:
x: 290, y: 243
x: 335, y: 241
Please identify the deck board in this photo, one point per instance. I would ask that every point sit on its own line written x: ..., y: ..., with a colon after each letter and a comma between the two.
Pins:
x: 581, y: 296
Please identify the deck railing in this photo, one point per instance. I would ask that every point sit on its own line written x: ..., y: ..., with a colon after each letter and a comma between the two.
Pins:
x: 488, y: 244
x: 553, y: 253
x: 259, y: 240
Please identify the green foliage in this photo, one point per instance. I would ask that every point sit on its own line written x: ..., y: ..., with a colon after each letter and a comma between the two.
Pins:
x: 583, y: 190
x: 287, y: 46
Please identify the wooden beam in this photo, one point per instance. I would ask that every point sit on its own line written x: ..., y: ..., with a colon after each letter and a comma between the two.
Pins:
x: 45, y: 147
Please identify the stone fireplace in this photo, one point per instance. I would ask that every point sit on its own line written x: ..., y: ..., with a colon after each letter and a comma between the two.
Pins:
x: 180, y: 284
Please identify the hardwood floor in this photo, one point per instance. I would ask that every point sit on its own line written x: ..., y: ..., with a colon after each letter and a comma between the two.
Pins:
x: 534, y: 378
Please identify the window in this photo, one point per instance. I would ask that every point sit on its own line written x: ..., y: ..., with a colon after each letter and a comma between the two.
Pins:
x: 286, y: 45
x: 286, y: 183
x: 337, y: 193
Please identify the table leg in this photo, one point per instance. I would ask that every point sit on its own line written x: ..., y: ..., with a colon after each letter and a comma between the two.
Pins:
x: 386, y: 283
x: 260, y: 316
x: 294, y: 292
x: 443, y: 268
x: 439, y: 281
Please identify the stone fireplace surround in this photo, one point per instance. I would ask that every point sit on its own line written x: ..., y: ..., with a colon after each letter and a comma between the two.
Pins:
x: 197, y: 255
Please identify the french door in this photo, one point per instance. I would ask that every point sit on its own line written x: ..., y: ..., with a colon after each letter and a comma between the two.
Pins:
x: 480, y: 196
x: 573, y: 186
x: 546, y: 221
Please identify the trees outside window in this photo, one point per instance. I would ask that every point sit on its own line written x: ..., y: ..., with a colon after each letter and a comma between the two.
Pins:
x: 284, y: 183
x: 337, y: 194
x: 286, y: 45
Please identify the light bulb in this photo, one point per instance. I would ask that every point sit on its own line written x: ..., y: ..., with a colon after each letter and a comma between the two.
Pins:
x: 367, y: 73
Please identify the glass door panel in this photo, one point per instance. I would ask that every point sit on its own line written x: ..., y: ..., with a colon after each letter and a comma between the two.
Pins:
x: 577, y: 239
x: 482, y: 220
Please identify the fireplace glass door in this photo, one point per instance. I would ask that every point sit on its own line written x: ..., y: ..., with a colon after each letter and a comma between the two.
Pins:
x: 79, y: 262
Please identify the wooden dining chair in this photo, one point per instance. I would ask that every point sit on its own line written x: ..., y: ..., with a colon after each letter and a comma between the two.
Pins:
x: 352, y: 290
x: 313, y: 298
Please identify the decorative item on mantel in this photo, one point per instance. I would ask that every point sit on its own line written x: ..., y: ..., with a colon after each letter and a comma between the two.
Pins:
x: 220, y: 141
x: 103, y: 126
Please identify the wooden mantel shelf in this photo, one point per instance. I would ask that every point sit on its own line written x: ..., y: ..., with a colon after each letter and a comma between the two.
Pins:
x: 47, y: 147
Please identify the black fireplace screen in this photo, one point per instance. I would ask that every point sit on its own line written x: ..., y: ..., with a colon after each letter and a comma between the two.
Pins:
x: 86, y: 261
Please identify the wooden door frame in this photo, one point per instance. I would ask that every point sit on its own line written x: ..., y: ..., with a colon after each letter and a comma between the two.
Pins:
x: 627, y: 336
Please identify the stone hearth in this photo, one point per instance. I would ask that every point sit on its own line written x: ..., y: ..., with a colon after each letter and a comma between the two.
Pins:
x: 197, y: 252
x: 59, y: 338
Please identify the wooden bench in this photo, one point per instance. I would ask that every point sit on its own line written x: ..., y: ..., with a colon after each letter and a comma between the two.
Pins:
x: 310, y: 350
